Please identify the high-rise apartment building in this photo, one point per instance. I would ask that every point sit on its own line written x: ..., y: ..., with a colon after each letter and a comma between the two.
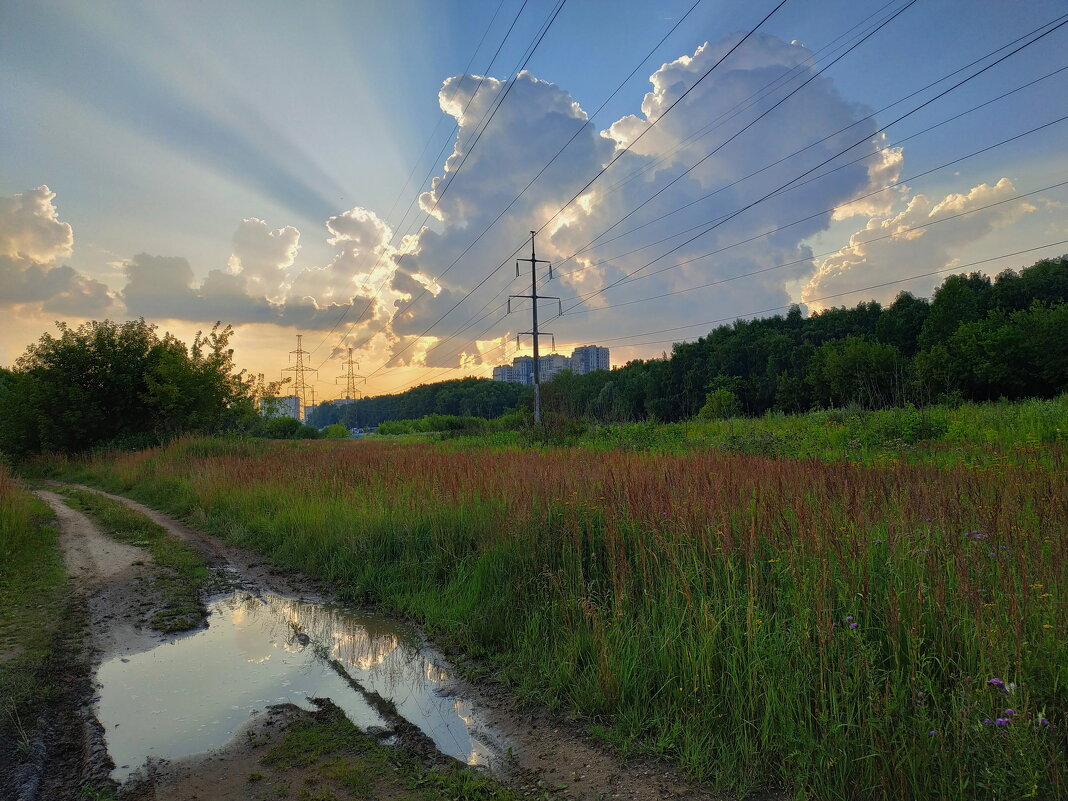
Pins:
x: 582, y: 360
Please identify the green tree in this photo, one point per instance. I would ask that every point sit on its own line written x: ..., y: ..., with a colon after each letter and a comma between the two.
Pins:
x: 720, y: 404
x: 106, y: 382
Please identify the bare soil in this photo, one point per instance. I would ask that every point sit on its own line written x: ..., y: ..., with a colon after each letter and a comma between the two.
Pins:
x: 553, y: 757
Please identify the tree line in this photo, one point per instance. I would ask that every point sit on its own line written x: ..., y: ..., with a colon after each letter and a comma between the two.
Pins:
x: 463, y: 397
x: 975, y: 339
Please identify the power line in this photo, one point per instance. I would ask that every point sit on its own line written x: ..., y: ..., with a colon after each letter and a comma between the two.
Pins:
x: 557, y: 155
x: 851, y: 200
x: 758, y: 118
x: 883, y: 22
x: 776, y: 229
x: 896, y: 233
x: 809, y: 171
x: 738, y: 107
x: 598, y: 175
x: 855, y: 199
x: 813, y: 144
x: 795, y: 180
x: 430, y: 139
x: 529, y: 54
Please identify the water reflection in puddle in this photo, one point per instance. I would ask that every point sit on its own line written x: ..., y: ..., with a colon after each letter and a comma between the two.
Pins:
x: 192, y: 694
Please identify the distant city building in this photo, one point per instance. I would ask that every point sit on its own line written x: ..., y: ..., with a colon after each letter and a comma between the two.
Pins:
x: 552, y: 365
x: 589, y: 358
x: 583, y: 360
x: 281, y: 406
x: 523, y: 370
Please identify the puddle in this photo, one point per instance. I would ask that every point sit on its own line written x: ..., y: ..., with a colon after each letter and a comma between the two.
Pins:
x: 192, y: 694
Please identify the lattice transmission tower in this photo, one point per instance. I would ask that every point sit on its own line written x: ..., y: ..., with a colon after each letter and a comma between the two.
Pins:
x: 351, y: 377
x: 299, y: 369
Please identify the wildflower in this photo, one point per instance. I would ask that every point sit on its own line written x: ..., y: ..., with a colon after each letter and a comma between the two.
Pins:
x: 1001, y: 722
x: 878, y: 542
x: 997, y: 684
x: 1043, y: 722
x: 1009, y: 713
x: 988, y: 722
x: 849, y: 619
x: 932, y: 733
x: 852, y: 625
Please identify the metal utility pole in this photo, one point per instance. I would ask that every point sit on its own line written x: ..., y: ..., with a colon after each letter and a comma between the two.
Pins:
x: 534, y: 333
x: 350, y: 378
x: 300, y: 386
x: 351, y: 392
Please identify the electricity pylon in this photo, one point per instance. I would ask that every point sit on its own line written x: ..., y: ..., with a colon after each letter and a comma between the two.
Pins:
x: 300, y: 386
x: 534, y: 333
x: 351, y: 378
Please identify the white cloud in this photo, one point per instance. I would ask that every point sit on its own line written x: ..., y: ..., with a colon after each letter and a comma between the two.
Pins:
x: 30, y: 227
x: 907, y: 251
x: 32, y: 240
x: 263, y: 256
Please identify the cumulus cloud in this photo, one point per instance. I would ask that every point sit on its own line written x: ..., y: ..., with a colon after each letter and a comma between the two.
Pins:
x: 30, y: 227
x: 902, y: 248
x: 254, y: 288
x: 32, y: 240
x: 363, y: 263
x: 263, y: 256
x: 538, y: 117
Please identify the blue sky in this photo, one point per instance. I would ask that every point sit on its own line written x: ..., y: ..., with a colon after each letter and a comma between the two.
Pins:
x: 160, y: 128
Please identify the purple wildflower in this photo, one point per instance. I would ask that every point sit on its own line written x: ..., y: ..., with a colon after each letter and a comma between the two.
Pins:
x: 1001, y: 722
x: 932, y: 733
x: 852, y: 625
x: 988, y: 722
x: 1009, y: 713
x: 849, y: 618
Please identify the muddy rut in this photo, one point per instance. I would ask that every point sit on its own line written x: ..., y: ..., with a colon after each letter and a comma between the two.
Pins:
x: 530, y: 749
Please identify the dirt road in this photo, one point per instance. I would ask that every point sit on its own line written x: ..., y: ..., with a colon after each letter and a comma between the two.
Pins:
x: 548, y: 756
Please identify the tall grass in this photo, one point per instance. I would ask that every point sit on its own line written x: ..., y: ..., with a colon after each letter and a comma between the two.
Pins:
x: 1033, y: 432
x: 33, y: 606
x: 827, y: 630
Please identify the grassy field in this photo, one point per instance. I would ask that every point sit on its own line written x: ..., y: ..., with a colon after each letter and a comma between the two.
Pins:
x: 978, y: 435
x: 894, y: 629
x: 33, y: 607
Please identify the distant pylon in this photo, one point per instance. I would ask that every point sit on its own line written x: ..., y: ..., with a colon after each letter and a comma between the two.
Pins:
x: 300, y: 386
x: 535, y: 333
x: 351, y: 393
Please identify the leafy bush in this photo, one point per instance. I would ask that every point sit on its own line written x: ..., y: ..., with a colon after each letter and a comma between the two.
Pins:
x: 336, y: 431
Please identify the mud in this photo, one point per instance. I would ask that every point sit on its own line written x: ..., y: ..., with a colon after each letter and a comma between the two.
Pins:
x: 545, y: 753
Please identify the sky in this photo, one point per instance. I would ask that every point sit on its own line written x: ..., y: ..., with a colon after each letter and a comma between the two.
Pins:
x: 364, y: 174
